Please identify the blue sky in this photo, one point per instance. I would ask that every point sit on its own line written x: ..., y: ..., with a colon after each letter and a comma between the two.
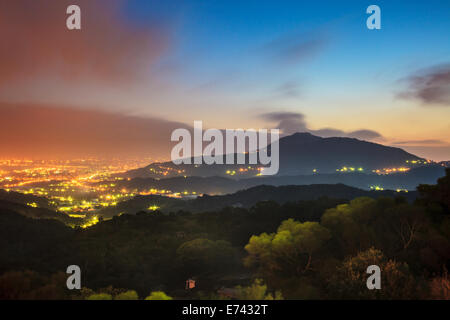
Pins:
x: 214, y: 35
x: 225, y: 45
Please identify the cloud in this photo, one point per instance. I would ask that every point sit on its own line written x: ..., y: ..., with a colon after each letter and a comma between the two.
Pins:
x: 109, y: 49
x: 364, y: 134
x: 430, y: 152
x: 430, y: 86
x: 295, y: 49
x: 288, y: 89
x: 288, y: 122
x: 60, y: 132
x: 292, y: 122
x: 420, y: 142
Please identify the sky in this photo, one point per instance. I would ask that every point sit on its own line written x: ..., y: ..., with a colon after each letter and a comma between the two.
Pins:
x: 139, y: 69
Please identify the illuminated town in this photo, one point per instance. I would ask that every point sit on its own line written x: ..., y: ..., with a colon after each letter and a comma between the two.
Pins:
x: 77, y: 188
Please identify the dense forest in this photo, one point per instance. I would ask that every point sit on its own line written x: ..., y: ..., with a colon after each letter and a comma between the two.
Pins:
x: 310, y: 249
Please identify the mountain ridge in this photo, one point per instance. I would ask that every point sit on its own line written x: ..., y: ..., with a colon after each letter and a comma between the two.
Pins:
x: 247, y: 198
x: 300, y: 153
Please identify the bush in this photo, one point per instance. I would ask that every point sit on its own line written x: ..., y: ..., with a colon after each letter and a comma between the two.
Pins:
x: 158, y: 295
x: 100, y: 296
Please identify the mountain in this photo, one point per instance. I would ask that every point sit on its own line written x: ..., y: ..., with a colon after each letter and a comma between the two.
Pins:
x: 246, y: 198
x: 209, y: 185
x: 36, y: 213
x: 300, y: 153
x: 426, y: 174
x: 32, y: 206
x: 25, y: 199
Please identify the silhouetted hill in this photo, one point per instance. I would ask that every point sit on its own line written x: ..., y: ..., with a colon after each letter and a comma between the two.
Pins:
x: 246, y: 198
x: 23, y: 237
x: 210, y: 185
x: 427, y: 174
x: 24, y: 199
x: 300, y: 153
x: 36, y: 213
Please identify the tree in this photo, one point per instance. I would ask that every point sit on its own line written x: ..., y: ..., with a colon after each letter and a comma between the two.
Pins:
x: 201, y: 256
x: 407, y: 222
x: 349, y: 282
x: 257, y: 291
x: 440, y: 287
x: 392, y: 225
x: 30, y: 285
x: 289, y: 251
x: 128, y: 295
x: 350, y: 224
x: 158, y: 295
x: 436, y: 195
x: 99, y: 296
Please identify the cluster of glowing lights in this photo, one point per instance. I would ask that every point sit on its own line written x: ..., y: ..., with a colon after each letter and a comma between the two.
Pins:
x: 23, y: 172
x: 350, y: 169
x: 419, y: 161
x: 243, y: 170
x: 380, y: 188
x: 231, y: 172
x: 154, y: 191
x: 77, y: 215
x: 164, y: 171
x: 32, y: 204
x: 93, y: 221
x: 385, y: 171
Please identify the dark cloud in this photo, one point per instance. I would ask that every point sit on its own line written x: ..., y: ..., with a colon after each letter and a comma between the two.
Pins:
x: 292, y: 122
x: 60, y: 132
x: 328, y: 132
x: 364, y: 134
x: 288, y: 122
x: 109, y: 48
x: 430, y: 86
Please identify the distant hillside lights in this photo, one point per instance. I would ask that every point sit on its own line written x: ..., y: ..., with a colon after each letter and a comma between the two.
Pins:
x: 386, y: 171
x: 380, y: 188
x: 153, y: 208
x: 350, y: 169
x: 214, y: 152
x: 417, y: 162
